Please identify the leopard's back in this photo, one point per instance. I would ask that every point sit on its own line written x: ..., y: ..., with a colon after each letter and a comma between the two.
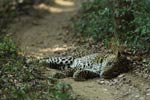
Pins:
x: 89, y: 62
x: 107, y: 66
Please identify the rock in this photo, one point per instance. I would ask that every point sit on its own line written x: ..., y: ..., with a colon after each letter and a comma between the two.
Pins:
x: 148, y: 94
x: 101, y: 82
x: 137, y: 96
x: 144, y: 60
x: 141, y: 98
x: 121, y: 76
x: 105, y: 89
x: 148, y: 89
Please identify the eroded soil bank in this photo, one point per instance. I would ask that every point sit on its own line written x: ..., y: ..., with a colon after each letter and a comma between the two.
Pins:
x: 43, y: 34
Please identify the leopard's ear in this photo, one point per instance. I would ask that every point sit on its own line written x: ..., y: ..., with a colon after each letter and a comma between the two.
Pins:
x: 118, y: 53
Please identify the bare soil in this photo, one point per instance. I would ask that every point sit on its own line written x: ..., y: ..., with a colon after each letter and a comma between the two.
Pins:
x: 42, y: 35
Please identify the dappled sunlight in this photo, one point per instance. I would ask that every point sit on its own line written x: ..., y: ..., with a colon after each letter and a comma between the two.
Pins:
x: 55, y: 49
x: 43, y: 52
x: 59, y: 7
x: 64, y: 2
x: 49, y: 51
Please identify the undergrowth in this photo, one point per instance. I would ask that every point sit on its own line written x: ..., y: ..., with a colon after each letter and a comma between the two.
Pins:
x: 128, y: 21
x: 19, y: 79
x: 22, y: 81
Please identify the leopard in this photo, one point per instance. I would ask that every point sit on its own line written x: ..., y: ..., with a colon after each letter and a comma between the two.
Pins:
x: 89, y: 66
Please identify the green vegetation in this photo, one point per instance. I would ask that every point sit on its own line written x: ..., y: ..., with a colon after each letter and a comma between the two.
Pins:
x: 18, y: 79
x: 23, y: 81
x: 6, y: 14
x: 128, y: 21
x: 124, y: 21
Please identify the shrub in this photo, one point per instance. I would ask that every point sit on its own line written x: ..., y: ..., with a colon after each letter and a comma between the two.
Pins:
x: 126, y: 20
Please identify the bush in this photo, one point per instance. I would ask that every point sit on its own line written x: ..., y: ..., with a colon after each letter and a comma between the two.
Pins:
x: 95, y: 20
x: 7, y: 47
x: 126, y: 20
x: 9, y: 9
x: 7, y: 12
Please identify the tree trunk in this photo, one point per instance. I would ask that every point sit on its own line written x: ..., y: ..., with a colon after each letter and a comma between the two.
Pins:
x: 122, y: 17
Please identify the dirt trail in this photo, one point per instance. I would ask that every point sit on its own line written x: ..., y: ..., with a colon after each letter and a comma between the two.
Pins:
x: 44, y: 36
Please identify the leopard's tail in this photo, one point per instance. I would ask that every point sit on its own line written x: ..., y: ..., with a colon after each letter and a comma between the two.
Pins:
x: 58, y: 62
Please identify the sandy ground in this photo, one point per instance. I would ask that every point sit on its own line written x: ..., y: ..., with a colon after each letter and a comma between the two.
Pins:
x: 43, y: 35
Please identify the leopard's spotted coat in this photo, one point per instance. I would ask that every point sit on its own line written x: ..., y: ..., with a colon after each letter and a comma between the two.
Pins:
x: 89, y: 66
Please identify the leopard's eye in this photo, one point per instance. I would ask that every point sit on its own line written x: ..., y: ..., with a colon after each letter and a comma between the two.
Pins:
x: 110, y: 63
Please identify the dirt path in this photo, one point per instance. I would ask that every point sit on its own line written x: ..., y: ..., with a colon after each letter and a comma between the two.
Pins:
x: 44, y: 36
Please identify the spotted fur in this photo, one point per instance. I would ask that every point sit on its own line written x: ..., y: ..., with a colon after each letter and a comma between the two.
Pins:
x: 89, y: 66
x: 58, y: 62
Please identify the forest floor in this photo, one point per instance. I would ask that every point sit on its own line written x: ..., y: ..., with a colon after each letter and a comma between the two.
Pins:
x: 44, y: 34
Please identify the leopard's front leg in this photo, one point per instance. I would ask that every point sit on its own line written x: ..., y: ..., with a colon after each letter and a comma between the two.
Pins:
x: 82, y: 75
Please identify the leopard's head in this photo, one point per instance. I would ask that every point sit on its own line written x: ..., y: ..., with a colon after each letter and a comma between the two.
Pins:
x: 113, y: 65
